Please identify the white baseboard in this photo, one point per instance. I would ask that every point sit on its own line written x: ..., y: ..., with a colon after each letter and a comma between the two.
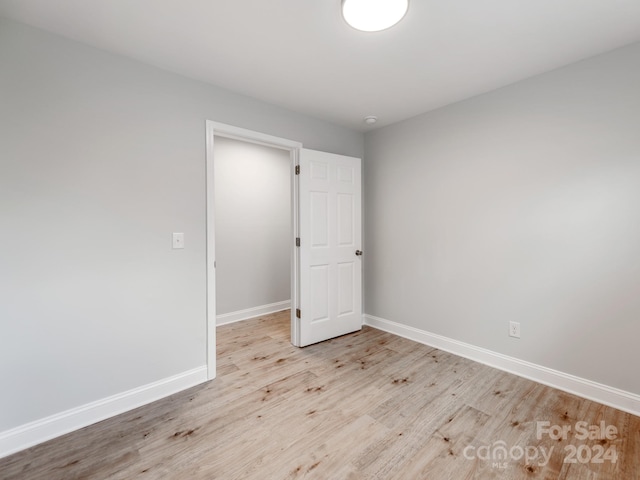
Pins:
x: 614, y: 397
x: 30, y: 434
x: 252, y: 312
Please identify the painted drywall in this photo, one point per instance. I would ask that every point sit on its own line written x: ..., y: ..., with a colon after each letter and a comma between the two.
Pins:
x: 101, y: 159
x: 523, y: 205
x: 253, y: 225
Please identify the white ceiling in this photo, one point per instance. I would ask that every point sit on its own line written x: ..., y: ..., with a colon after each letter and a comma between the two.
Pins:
x: 300, y: 54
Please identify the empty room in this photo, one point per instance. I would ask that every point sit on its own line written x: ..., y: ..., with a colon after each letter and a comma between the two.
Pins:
x: 331, y: 239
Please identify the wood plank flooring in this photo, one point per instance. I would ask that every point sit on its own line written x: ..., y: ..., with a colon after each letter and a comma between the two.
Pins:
x: 368, y: 405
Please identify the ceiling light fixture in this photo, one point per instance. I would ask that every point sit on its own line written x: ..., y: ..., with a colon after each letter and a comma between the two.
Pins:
x: 373, y: 15
x: 370, y: 120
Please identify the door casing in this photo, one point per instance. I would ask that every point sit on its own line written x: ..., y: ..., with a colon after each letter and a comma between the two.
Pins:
x: 214, y: 129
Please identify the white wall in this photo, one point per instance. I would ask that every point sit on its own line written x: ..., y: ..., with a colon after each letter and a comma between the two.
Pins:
x: 521, y: 204
x: 101, y: 158
x: 253, y: 225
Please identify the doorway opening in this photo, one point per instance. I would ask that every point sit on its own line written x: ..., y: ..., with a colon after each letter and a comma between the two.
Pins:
x: 253, y: 230
x: 229, y: 136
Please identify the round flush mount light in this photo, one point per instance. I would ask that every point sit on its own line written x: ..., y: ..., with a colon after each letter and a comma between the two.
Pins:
x: 370, y: 120
x: 373, y: 15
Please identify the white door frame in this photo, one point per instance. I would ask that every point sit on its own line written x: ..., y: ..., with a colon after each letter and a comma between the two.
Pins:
x: 229, y: 131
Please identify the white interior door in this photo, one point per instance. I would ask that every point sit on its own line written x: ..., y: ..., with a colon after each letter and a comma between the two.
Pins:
x: 330, y: 242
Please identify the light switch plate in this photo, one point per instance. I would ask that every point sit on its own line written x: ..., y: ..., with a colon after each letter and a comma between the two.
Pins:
x: 514, y: 329
x: 178, y: 240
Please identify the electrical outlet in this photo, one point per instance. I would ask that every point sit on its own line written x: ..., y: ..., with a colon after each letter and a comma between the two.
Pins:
x: 514, y: 329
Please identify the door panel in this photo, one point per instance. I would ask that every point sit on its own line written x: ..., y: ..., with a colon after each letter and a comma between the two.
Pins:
x: 319, y: 213
x: 345, y: 220
x: 346, y: 276
x: 330, y: 233
x: 319, y: 289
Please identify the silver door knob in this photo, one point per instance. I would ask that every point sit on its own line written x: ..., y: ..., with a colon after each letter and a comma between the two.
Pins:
x: 358, y: 252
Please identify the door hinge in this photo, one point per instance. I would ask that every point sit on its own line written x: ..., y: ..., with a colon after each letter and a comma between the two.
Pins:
x: 297, y: 241
x: 297, y: 169
x: 298, y: 313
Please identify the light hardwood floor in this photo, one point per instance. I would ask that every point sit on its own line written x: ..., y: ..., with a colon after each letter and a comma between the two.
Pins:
x: 366, y: 405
